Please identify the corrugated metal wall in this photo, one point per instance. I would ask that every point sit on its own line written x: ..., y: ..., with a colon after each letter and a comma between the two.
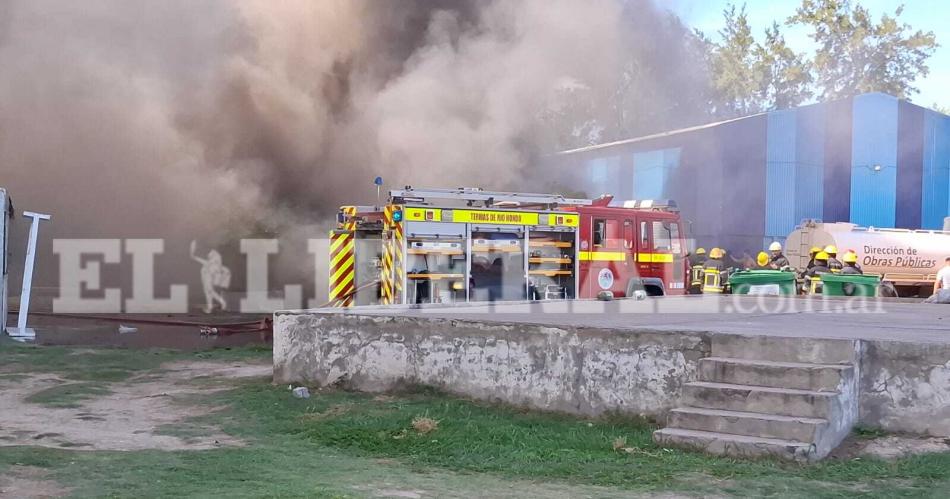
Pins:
x: 781, y: 166
x: 810, y: 154
x: 604, y: 173
x: 652, y: 171
x: 743, y: 157
x: 795, y: 169
x: 836, y: 196
x: 874, y: 160
x: 935, y: 202
x: 910, y: 142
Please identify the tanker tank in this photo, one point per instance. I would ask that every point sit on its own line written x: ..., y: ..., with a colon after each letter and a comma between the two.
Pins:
x: 907, y: 258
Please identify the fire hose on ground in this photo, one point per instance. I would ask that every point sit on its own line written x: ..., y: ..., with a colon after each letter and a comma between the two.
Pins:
x: 264, y: 326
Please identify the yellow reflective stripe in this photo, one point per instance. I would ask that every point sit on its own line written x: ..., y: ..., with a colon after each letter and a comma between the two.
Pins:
x: 339, y: 289
x: 662, y: 258
x: 495, y: 217
x: 654, y: 258
x: 337, y: 241
x: 341, y: 267
x: 602, y: 256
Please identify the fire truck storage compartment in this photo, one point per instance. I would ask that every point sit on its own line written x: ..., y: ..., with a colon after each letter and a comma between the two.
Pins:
x: 436, y: 256
x: 498, y: 266
x: 367, y: 255
x: 551, y: 254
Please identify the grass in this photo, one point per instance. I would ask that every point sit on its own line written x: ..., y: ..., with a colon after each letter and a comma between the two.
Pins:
x: 481, y: 438
x: 68, y: 395
x: 104, y: 364
x: 339, y: 444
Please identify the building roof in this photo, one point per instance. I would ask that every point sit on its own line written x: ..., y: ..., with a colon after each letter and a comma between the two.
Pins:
x: 654, y: 136
x: 670, y: 133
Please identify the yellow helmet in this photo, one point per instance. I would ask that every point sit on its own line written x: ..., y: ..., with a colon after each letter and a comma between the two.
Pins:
x: 775, y: 246
x: 831, y: 249
x: 850, y: 257
x: 814, y: 251
x: 700, y: 251
x: 762, y: 259
x: 715, y: 253
x: 822, y: 255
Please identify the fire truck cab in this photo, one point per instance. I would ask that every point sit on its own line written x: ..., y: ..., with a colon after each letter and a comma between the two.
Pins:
x: 631, y: 246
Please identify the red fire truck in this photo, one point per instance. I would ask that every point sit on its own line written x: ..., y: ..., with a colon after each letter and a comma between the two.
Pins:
x: 459, y: 245
x: 636, y: 245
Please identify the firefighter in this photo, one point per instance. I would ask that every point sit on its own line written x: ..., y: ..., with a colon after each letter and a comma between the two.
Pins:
x: 712, y: 272
x: 811, y: 256
x: 762, y: 261
x: 778, y: 260
x: 821, y: 265
x: 833, y: 263
x: 696, y: 261
x: 813, y: 275
x: 851, y: 264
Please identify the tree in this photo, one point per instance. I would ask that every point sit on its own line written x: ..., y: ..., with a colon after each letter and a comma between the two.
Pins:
x: 751, y: 77
x: 785, y: 75
x: 733, y: 67
x: 857, y: 55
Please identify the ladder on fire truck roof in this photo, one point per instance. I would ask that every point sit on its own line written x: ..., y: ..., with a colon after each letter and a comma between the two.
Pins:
x: 473, y: 196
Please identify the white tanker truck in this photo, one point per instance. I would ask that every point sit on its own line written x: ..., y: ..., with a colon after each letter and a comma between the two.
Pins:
x: 907, y: 258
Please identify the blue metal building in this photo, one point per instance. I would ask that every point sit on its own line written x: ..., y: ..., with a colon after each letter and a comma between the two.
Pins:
x: 873, y: 160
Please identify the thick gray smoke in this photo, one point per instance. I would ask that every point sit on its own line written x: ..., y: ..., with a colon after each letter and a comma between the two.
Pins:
x: 224, y: 119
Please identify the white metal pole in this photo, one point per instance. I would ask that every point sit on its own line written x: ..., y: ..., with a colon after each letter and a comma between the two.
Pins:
x: 21, y: 330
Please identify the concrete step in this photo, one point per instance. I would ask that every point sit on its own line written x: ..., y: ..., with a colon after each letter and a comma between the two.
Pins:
x: 734, y: 445
x: 785, y: 349
x: 800, y: 375
x: 761, y: 399
x: 752, y: 424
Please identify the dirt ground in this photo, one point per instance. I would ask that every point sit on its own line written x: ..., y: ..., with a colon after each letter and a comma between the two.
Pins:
x: 896, y: 446
x: 131, y: 417
x: 28, y: 482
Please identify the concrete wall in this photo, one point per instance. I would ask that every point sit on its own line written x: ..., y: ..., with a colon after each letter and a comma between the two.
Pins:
x: 903, y: 387
x: 573, y: 370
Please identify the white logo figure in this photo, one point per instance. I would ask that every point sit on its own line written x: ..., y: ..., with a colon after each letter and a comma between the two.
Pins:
x: 213, y: 275
x: 605, y: 278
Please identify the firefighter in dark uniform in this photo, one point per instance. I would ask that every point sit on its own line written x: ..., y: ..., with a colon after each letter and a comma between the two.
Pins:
x: 778, y: 260
x: 712, y: 272
x: 833, y: 263
x: 851, y: 264
x: 811, y: 257
x: 813, y: 275
x: 696, y: 261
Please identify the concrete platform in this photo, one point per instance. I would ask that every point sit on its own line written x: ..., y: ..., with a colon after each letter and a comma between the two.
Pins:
x: 870, y: 319
x: 644, y: 357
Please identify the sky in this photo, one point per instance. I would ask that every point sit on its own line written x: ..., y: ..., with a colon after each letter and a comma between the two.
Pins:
x: 926, y: 15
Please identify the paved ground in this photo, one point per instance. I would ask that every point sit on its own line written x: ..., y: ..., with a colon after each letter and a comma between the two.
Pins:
x: 826, y: 318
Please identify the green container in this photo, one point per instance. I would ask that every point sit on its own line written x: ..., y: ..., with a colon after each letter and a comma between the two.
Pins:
x: 762, y: 282
x: 849, y: 285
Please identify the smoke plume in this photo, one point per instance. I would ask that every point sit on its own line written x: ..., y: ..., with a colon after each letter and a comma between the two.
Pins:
x: 223, y: 119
